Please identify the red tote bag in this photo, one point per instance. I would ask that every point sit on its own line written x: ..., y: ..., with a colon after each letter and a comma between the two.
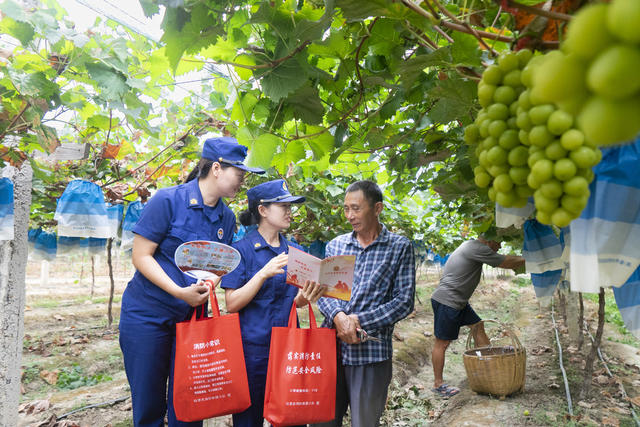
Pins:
x: 210, y: 377
x: 301, y: 375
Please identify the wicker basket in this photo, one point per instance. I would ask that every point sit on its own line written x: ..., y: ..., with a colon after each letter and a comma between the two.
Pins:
x: 498, y: 371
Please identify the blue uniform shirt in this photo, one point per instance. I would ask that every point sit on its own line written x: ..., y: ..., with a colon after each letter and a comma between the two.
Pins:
x: 171, y: 217
x: 272, y: 304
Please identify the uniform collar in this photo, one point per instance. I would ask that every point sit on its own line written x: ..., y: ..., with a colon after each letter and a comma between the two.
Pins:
x: 194, y: 200
x: 194, y: 197
x: 383, y: 237
x: 258, y: 242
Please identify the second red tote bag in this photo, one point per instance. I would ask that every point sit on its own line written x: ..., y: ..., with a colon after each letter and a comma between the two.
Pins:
x: 301, y: 375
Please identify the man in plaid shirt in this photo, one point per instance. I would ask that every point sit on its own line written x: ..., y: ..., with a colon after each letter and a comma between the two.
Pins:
x: 382, y: 294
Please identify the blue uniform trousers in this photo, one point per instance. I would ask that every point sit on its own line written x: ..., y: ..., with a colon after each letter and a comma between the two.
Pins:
x: 252, y: 416
x: 257, y: 360
x: 148, y: 361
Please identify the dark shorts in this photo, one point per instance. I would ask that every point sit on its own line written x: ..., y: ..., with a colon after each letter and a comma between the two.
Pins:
x: 447, y: 321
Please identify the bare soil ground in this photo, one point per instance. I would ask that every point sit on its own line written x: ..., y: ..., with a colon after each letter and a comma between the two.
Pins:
x: 72, y: 360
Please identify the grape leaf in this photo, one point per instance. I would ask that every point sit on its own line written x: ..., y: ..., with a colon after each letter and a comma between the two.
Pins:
x: 284, y: 79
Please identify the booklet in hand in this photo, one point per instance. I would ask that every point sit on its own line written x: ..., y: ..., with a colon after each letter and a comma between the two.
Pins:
x: 336, y: 272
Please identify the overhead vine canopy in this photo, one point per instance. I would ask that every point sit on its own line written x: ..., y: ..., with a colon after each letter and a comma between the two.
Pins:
x: 360, y: 83
x: 326, y: 92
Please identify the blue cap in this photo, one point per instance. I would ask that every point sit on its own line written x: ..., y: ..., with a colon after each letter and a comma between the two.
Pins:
x: 272, y: 191
x: 227, y: 150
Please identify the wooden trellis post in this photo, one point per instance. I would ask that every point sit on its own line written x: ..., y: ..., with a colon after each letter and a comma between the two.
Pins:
x: 13, y: 268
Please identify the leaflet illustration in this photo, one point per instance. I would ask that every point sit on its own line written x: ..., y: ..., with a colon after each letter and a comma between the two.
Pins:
x: 203, y: 259
x: 336, y: 272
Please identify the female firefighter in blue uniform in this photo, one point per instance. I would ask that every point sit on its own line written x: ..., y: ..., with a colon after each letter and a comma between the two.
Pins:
x: 257, y: 288
x: 159, y: 295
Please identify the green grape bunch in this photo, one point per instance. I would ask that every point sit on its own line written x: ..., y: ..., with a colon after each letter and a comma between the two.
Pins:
x: 595, y: 74
x: 560, y: 157
x: 528, y: 146
x: 500, y: 154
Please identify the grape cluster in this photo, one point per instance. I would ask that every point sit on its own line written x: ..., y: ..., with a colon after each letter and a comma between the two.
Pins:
x: 560, y: 157
x: 527, y: 145
x: 501, y: 155
x: 595, y: 76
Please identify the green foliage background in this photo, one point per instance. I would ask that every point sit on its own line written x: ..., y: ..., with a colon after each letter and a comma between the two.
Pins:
x: 323, y: 93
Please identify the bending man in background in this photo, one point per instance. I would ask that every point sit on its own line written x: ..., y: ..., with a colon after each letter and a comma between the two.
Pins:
x: 450, y: 300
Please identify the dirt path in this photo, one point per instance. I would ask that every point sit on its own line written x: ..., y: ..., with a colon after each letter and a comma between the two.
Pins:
x: 543, y: 402
x: 71, y: 360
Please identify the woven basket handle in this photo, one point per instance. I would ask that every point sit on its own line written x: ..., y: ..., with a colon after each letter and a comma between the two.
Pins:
x: 514, y: 338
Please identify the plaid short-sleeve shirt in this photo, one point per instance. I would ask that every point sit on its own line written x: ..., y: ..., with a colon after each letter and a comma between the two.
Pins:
x: 383, y: 292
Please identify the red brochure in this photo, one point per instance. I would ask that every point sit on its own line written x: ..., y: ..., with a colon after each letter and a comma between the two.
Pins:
x: 336, y: 272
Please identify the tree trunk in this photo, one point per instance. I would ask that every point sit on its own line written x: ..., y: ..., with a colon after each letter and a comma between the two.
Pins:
x: 93, y: 274
x: 573, y: 322
x: 81, y: 270
x: 13, y: 268
x: 109, y: 264
x: 562, y: 298
x: 586, y: 385
x: 580, y: 322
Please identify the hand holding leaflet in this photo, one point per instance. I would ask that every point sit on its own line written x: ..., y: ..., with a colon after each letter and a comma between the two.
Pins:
x: 334, y: 272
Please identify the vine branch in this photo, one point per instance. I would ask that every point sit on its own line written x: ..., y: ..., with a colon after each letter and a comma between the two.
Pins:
x: 421, y: 37
x: 14, y: 120
x: 355, y: 105
x: 270, y: 64
x: 73, y: 125
x: 147, y: 178
x: 540, y: 12
x: 357, y: 64
x: 131, y: 172
x: 466, y: 25
x: 110, y: 125
x: 483, y: 34
x: 463, y: 29
x: 443, y: 34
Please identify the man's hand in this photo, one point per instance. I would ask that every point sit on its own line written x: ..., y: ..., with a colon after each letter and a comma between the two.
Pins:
x: 354, y: 319
x: 346, y: 327
x: 312, y: 291
x: 512, y: 262
x: 520, y: 270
